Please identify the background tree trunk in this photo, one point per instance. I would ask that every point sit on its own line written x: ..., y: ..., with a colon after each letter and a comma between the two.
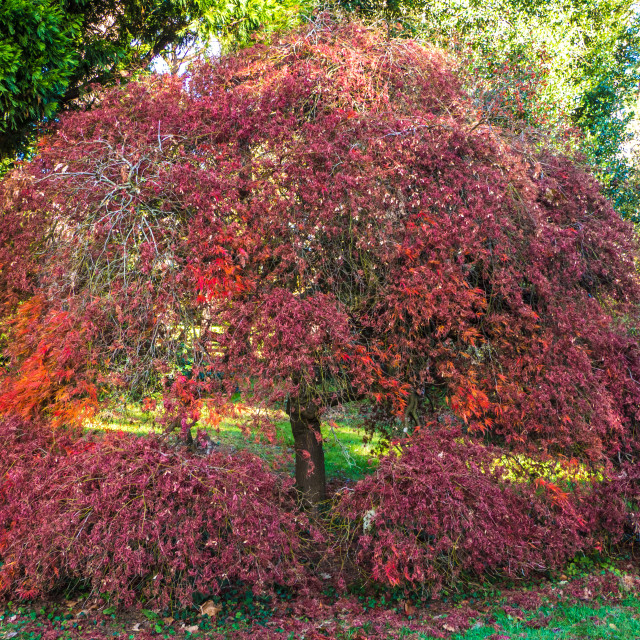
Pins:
x: 307, y: 438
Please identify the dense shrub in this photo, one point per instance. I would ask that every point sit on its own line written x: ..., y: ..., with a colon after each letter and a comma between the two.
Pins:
x: 442, y: 507
x: 135, y: 519
x: 139, y: 521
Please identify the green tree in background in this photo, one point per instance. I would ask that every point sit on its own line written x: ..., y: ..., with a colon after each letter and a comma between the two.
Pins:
x: 52, y: 51
x: 570, y: 63
x: 37, y: 59
x: 604, y: 111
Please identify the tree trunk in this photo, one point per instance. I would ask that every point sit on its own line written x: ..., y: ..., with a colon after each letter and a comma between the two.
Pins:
x: 307, y: 439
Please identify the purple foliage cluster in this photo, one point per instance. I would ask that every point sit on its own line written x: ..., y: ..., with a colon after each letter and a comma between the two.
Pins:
x: 442, y: 507
x: 138, y: 520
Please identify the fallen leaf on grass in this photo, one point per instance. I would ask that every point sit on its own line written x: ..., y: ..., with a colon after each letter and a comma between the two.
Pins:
x: 210, y: 609
x: 538, y: 623
x: 627, y: 582
x: 409, y: 609
x: 192, y: 629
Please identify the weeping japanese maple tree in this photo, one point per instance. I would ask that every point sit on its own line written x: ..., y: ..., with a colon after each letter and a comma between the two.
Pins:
x: 318, y: 221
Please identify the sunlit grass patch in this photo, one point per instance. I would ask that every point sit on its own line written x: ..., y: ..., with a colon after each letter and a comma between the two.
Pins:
x: 558, y: 471
x: 346, y: 455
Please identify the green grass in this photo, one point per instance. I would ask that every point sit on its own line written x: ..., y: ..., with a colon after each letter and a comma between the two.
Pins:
x: 565, y: 622
x: 346, y: 455
x: 558, y: 471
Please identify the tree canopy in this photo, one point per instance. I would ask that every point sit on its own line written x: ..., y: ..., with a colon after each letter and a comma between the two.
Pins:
x: 321, y: 221
x: 552, y: 64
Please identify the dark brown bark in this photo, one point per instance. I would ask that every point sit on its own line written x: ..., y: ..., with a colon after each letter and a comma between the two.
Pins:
x: 307, y: 438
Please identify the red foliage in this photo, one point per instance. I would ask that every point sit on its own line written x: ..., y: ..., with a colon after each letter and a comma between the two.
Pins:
x: 614, y: 507
x: 138, y: 521
x: 442, y: 508
x: 54, y: 378
x: 320, y: 217
x: 22, y: 235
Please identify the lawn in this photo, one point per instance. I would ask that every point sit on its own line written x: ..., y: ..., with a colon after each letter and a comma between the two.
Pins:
x: 566, y: 622
x: 347, y: 457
